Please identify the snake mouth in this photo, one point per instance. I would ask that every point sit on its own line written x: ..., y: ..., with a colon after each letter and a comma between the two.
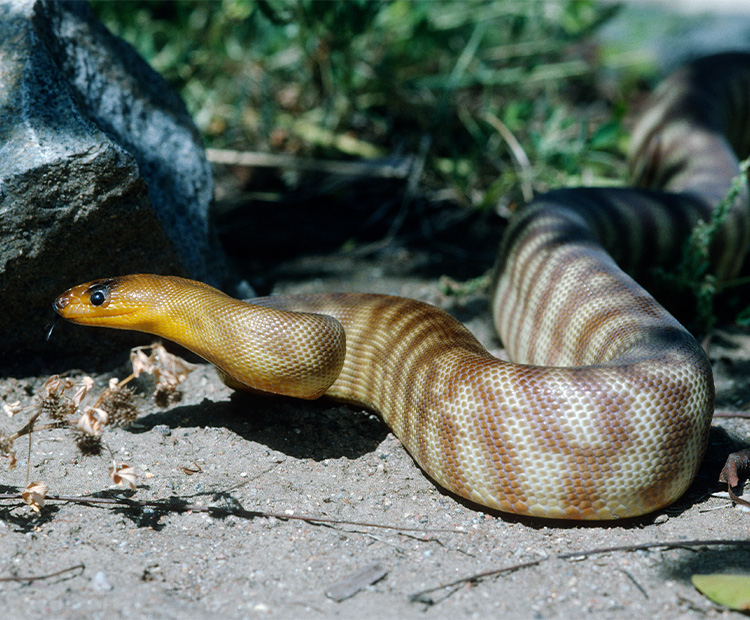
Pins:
x: 80, y: 313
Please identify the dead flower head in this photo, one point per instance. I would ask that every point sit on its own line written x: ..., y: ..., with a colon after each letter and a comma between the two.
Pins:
x: 140, y: 362
x: 87, y: 431
x: 122, y: 475
x: 56, y: 385
x: 52, y: 398
x: 34, y: 495
x: 118, y: 401
x: 91, y: 421
x: 168, y: 370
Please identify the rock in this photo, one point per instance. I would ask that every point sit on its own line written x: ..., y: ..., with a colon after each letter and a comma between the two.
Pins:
x: 101, y: 173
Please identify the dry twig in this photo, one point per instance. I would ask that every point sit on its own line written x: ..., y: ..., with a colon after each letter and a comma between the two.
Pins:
x: 30, y: 578
x: 398, y: 169
x: 172, y: 506
x: 424, y: 597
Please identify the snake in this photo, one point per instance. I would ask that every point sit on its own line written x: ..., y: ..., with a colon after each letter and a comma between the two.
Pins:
x: 603, y: 411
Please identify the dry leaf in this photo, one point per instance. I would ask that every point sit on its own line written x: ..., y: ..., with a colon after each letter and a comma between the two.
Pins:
x: 123, y: 475
x: 56, y: 385
x: 83, y: 387
x: 51, y: 385
x: 90, y: 421
x: 168, y: 370
x: 140, y: 362
x: 34, y: 495
x: 732, y: 590
x: 12, y: 409
x: 174, y: 366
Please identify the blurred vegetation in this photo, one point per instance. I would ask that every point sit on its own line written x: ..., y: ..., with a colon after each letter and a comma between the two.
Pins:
x: 499, y: 96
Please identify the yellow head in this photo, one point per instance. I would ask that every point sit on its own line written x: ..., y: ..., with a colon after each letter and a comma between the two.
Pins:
x: 136, y: 302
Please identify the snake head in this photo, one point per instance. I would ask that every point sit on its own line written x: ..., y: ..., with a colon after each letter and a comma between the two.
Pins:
x: 110, y: 302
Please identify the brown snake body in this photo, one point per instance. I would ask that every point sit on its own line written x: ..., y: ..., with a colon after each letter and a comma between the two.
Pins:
x: 604, y: 412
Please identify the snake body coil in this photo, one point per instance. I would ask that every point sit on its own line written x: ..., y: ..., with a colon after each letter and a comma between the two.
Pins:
x: 604, y: 412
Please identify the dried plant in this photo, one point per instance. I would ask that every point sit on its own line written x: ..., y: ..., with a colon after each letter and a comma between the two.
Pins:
x: 6, y: 450
x: 118, y: 403
x: 61, y: 400
x: 122, y: 475
x: 87, y: 431
x: 12, y: 409
x: 53, y: 402
x: 34, y: 495
x: 168, y: 370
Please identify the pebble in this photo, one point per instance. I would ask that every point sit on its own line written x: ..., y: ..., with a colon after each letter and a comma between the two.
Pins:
x: 100, y: 582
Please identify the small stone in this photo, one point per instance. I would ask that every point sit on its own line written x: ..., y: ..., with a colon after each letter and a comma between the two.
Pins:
x: 163, y: 430
x: 100, y: 583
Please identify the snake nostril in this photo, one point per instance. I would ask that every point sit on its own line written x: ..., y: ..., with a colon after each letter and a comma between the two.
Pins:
x: 60, y: 303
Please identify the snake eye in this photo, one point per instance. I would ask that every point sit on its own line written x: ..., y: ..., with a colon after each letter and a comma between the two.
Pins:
x: 98, y: 296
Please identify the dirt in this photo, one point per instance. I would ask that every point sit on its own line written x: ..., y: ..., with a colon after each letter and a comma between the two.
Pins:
x: 391, y: 538
x: 319, y: 459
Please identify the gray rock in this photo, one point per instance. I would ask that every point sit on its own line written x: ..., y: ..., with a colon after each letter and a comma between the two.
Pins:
x: 101, y: 172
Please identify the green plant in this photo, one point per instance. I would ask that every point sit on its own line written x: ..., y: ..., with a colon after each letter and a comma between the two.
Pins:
x: 368, y: 79
x: 694, y: 272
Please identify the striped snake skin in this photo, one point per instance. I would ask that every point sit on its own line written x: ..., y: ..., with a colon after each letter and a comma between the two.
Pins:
x: 604, y: 412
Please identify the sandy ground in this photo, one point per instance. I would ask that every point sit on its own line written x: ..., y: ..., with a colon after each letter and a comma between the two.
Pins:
x: 255, y: 456
x: 223, y: 450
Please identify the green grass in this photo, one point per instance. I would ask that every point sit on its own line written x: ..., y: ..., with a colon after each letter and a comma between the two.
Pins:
x: 695, y: 273
x: 499, y: 90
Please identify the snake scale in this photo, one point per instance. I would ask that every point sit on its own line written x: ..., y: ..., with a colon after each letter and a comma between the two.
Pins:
x: 605, y: 410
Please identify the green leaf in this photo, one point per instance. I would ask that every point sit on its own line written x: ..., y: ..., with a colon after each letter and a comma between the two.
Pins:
x: 606, y: 136
x: 732, y: 591
x: 743, y: 317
